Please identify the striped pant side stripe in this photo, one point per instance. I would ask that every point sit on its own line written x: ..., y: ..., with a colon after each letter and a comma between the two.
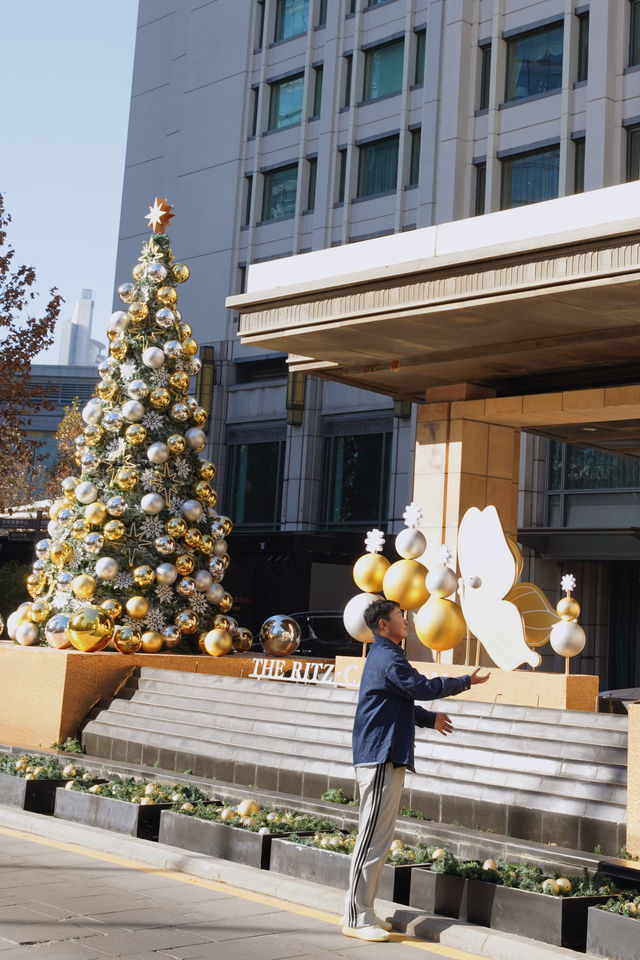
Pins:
x: 363, y: 846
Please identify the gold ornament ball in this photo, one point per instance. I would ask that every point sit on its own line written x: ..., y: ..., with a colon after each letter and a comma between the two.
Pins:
x: 95, y: 513
x: 36, y: 585
x: 160, y: 398
x: 218, y: 642
x: 226, y: 603
x: 118, y: 350
x: 107, y: 389
x: 40, y: 611
x: 369, y: 571
x: 68, y: 486
x: 135, y: 434
x: 567, y: 608
x: 176, y: 527
x: 115, y: 530
x: 203, y: 491
x: 550, y: 886
x: 176, y: 444
x: 404, y: 583
x: 90, y: 629
x: 190, y: 347
x: 171, y: 636
x: 167, y: 296
x: 93, y: 434
x: 138, y: 272
x: 126, y: 478
x: 127, y: 292
x: 60, y: 553
x: 184, y: 564
x: 127, y: 639
x: 439, y: 624
x: 152, y: 641
x: 144, y: 576
x: 83, y: 586
x: 199, y: 416
x: 138, y: 311
x: 564, y: 885
x: 242, y: 640
x: 208, y: 544
x: 184, y: 331
x: 179, y: 381
x: 192, y: 539
x: 112, y: 607
x: 137, y: 607
x: 56, y: 507
x: 80, y: 528
x: 180, y: 272
x: 489, y: 864
x: 23, y: 614
x: 187, y: 622
x: 206, y: 470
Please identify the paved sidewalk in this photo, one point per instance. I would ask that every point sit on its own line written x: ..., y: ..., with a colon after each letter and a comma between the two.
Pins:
x: 69, y: 891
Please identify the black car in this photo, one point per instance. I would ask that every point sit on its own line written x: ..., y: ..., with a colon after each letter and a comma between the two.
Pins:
x: 324, y: 635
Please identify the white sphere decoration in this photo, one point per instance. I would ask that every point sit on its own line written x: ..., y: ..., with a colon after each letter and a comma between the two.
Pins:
x: 411, y: 543
x: 196, y: 439
x: 153, y: 357
x: 107, y: 568
x: 120, y: 318
x: 86, y: 492
x: 158, y: 452
x: 92, y: 412
x: 203, y: 580
x: 215, y: 593
x: 152, y: 503
x: 220, y: 547
x: 12, y: 625
x: 166, y: 573
x: 55, y: 530
x: 353, y: 616
x: 567, y: 638
x: 192, y: 510
x: 133, y: 411
x: 441, y: 581
x: 475, y: 582
x: 27, y: 634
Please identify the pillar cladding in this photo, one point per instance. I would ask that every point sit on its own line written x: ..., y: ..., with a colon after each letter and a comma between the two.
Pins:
x: 633, y: 781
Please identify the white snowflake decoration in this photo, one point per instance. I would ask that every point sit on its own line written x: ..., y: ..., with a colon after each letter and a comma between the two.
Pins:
x: 445, y: 555
x: 127, y: 371
x: 127, y: 621
x: 115, y: 449
x: 412, y: 515
x: 78, y: 557
x: 175, y: 508
x: 159, y: 378
x: 151, y: 527
x: 182, y: 468
x: 164, y: 594
x: 374, y: 541
x: 152, y: 420
x: 60, y: 600
x: 198, y: 602
x: 150, y: 479
x: 76, y: 604
x: 123, y: 581
x: 568, y: 582
x: 155, y: 619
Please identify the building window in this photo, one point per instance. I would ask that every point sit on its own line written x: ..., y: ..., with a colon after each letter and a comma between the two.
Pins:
x: 254, y: 481
x: 421, y: 49
x: 530, y: 178
x: 291, y: 18
x: 317, y: 91
x: 248, y: 194
x: 356, y: 474
x: 279, y: 197
x: 534, y: 62
x: 348, y: 72
x: 481, y: 186
x: 311, y: 188
x: 254, y: 111
x: 414, y: 165
x: 322, y: 13
x: 376, y: 3
x: 590, y: 488
x: 285, y: 105
x: 342, y: 173
x: 260, y: 30
x: 633, y: 153
x: 634, y: 46
x: 378, y: 167
x: 383, y: 70
x: 352, y: 6
x: 583, y: 47
x: 206, y: 379
x: 485, y: 76
x: 578, y: 165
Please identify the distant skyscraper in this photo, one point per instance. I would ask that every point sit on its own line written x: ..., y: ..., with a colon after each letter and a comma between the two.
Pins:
x: 76, y: 346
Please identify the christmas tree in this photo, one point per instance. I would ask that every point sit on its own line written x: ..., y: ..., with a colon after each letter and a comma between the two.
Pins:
x: 137, y: 551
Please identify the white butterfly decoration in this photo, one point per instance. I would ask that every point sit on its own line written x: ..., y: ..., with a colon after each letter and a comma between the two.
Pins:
x: 484, y: 553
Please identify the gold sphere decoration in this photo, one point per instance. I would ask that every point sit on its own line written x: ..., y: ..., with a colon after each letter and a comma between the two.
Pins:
x: 167, y: 296
x: 176, y: 527
x: 199, y: 416
x: 171, y: 636
x: 36, y: 585
x: 95, y: 513
x: 152, y: 641
x: 439, y: 624
x: 180, y: 272
x: 206, y: 470
x: 56, y: 507
x: 93, y: 434
x: 144, y: 576
x: 127, y: 639
x: 138, y: 272
x: 404, y: 584
x: 114, y: 530
x: 242, y: 639
x: 568, y: 608
x: 218, y: 642
x: 113, y: 334
x: 226, y: 603
x: 90, y: 629
x: 176, y: 444
x: 40, y: 611
x: 189, y: 347
x: 135, y: 434
x: 112, y: 607
x: 79, y: 528
x: 179, y: 381
x: 118, y: 349
x: 184, y: 331
x: 60, y: 552
x: 192, y: 539
x: 369, y: 571
x: 107, y: 388
x: 208, y: 544
x: 83, y: 586
x: 187, y: 622
x: 138, y: 311
x: 137, y: 607
x: 126, y: 478
x: 202, y: 491
x: 68, y: 486
x: 160, y: 398
x: 23, y: 614
x: 184, y: 564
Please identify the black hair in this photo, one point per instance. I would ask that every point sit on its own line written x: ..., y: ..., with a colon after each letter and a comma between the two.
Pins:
x: 378, y: 610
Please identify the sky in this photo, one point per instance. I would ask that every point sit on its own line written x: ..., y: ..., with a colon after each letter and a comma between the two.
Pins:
x: 66, y: 72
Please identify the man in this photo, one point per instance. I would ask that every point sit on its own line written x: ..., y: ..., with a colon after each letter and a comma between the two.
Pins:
x: 383, y: 744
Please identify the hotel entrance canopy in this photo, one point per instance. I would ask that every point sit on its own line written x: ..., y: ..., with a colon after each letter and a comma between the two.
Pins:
x: 541, y: 299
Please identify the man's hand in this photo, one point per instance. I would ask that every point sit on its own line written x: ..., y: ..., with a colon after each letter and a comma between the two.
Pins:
x: 477, y: 677
x: 443, y: 724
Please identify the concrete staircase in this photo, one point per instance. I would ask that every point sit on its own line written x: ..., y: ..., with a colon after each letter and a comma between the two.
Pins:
x: 550, y: 776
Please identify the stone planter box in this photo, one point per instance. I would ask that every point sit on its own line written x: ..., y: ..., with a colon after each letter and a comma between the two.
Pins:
x: 440, y: 893
x: 216, y: 839
x: 109, y: 814
x: 331, y: 868
x: 610, y: 935
x: 561, y: 921
x: 38, y: 796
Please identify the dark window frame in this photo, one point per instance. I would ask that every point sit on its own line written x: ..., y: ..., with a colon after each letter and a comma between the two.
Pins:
x: 362, y: 174
x: 524, y: 155
x: 369, y: 66
x: 485, y: 76
x: 582, y: 73
x: 526, y: 35
x: 275, y: 88
x: 267, y: 191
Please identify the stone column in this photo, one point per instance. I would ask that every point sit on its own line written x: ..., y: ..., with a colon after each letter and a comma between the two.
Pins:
x: 633, y: 781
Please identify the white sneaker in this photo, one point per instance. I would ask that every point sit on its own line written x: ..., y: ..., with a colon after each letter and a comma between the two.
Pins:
x: 371, y: 932
x: 383, y: 924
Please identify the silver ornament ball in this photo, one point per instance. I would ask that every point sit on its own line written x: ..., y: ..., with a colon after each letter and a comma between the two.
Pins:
x: 196, y: 439
x: 567, y: 638
x: 173, y: 349
x: 158, y: 452
x: 133, y: 411
x: 107, y: 568
x: 166, y: 573
x: 137, y: 390
x: 152, y: 503
x: 280, y: 636
x: 441, y: 581
x: 153, y: 357
x: 192, y: 510
x: 411, y: 543
x: 86, y: 492
x: 203, y: 580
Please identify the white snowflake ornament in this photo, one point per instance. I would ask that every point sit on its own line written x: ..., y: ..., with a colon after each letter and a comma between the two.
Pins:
x: 445, y: 555
x: 198, y: 603
x: 412, y: 515
x: 150, y: 479
x: 152, y: 420
x: 374, y: 541
x: 155, y: 619
x: 123, y: 581
x: 164, y: 594
x: 127, y: 371
x: 568, y: 583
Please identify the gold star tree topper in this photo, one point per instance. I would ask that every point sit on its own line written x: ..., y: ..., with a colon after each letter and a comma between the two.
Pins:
x: 159, y: 215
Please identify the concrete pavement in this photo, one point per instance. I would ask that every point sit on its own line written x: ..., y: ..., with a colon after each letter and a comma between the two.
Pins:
x: 69, y: 891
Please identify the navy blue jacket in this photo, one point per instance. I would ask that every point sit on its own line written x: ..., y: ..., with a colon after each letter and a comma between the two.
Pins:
x: 386, y: 716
